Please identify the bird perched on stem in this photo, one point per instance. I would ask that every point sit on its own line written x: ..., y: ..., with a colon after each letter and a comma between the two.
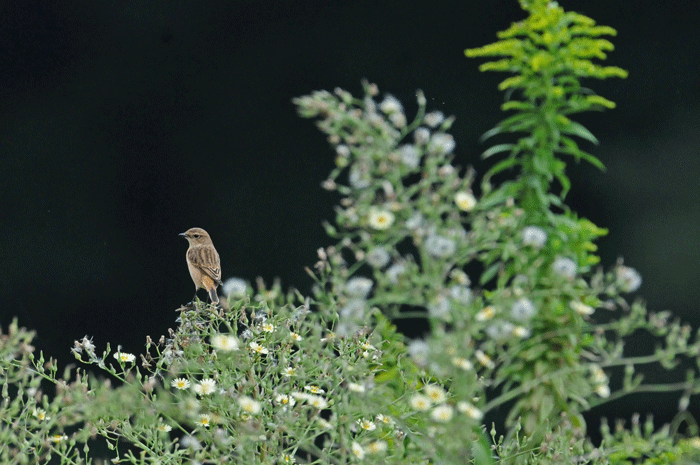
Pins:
x: 203, y: 262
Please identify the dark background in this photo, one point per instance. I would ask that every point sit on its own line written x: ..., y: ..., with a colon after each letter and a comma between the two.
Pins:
x: 124, y: 123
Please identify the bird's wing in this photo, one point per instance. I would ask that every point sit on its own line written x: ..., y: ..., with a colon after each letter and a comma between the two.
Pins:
x: 206, y: 259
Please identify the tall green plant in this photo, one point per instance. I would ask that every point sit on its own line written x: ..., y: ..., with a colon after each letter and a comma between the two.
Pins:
x: 548, y: 53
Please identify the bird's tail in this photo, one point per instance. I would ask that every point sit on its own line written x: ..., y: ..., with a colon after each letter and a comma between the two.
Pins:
x: 213, y: 295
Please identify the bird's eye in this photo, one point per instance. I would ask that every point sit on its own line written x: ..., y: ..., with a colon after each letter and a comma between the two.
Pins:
x: 196, y: 235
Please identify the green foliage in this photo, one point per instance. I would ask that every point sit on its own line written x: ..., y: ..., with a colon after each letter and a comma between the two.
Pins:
x: 643, y: 444
x: 549, y: 53
x: 284, y: 388
x: 409, y: 226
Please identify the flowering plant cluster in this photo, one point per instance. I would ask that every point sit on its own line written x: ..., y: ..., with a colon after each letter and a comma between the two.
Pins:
x: 262, y: 381
x: 517, y: 318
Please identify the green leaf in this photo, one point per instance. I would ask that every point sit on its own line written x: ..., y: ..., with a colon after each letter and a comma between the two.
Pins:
x: 481, y: 452
x: 501, y: 166
x: 497, y: 196
x: 546, y: 406
x: 497, y: 149
x: 490, y: 133
x: 598, y: 100
x: 517, y: 105
x: 388, y: 375
x: 535, y: 352
x: 489, y: 273
x: 579, y: 130
x: 516, y: 121
x: 571, y: 148
x: 564, y: 181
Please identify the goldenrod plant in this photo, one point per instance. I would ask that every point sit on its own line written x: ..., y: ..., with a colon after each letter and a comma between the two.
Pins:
x: 519, y: 316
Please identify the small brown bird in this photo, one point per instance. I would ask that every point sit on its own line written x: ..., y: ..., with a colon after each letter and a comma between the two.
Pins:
x: 203, y: 262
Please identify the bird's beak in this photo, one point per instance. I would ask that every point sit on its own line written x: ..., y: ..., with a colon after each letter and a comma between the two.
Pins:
x: 183, y: 234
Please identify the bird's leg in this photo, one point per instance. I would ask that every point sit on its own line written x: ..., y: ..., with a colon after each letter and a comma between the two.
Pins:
x: 195, y: 299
